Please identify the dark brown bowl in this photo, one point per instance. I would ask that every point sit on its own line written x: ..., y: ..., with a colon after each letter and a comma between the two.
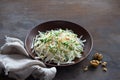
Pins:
x: 51, y: 25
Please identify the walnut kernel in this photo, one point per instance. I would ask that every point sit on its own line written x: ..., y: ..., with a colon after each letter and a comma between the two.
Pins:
x: 85, y: 68
x: 98, y: 56
x: 94, y: 63
x: 105, y: 69
x: 104, y: 64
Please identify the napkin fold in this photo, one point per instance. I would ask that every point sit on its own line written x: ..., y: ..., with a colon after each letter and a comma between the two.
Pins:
x: 17, y: 64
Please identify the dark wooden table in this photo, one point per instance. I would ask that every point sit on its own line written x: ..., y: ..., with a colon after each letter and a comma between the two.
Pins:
x: 100, y: 17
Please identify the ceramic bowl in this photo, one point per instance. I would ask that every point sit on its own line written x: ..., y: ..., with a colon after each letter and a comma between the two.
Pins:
x: 59, y: 24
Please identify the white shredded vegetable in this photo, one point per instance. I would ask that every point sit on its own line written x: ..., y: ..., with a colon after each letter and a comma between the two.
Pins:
x: 58, y: 46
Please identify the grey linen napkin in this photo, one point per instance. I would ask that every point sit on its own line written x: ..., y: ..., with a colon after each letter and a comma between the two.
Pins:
x: 17, y: 64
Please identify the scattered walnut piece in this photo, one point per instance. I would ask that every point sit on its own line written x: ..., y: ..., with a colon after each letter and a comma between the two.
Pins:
x: 104, y: 69
x: 97, y: 60
x: 100, y: 62
x: 85, y: 68
x: 104, y: 64
x: 95, y: 56
x: 98, y: 56
x: 94, y: 63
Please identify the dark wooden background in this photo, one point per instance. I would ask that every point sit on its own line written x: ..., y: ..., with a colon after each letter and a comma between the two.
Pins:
x: 100, y: 17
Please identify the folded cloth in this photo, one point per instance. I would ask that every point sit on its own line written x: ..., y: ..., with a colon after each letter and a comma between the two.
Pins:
x: 17, y: 64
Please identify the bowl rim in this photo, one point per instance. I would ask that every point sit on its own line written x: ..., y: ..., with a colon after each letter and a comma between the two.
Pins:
x: 64, y: 65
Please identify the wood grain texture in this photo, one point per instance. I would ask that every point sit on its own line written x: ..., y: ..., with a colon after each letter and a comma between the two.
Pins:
x: 100, y: 17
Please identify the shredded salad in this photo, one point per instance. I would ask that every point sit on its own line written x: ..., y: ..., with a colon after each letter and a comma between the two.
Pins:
x: 58, y: 46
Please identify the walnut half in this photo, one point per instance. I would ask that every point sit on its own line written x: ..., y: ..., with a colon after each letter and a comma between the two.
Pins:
x: 94, y: 63
x: 98, y: 56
